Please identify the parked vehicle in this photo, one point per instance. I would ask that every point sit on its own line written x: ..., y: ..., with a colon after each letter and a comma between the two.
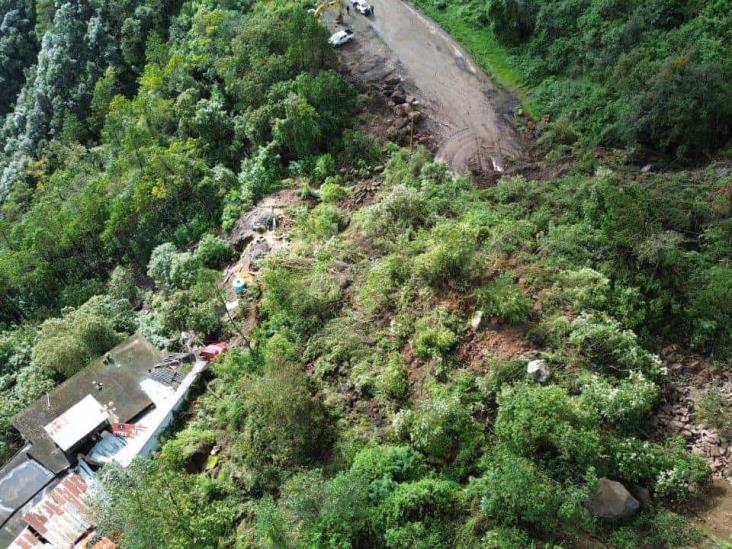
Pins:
x: 341, y: 37
x: 363, y: 7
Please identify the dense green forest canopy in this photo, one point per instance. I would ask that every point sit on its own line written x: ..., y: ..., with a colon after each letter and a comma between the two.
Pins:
x: 135, y: 134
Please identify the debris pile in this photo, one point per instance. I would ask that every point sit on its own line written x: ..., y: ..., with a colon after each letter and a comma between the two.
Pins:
x: 680, y: 415
x: 404, y: 125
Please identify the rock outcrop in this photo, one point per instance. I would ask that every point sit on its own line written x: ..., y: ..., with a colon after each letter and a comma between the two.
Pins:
x: 611, y: 500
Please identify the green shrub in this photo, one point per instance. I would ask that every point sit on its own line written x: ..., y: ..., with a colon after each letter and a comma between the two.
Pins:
x: 504, y: 299
x: 500, y: 373
x: 442, y: 428
x: 323, y: 221
x: 623, y: 405
x: 670, y: 473
x: 434, y: 336
x: 710, y: 310
x: 299, y: 293
x: 418, y: 514
x: 214, y: 252
x: 544, y: 423
x: 606, y: 346
x: 448, y: 256
x: 343, y: 515
x: 285, y: 424
x: 584, y: 288
x: 189, y: 443
x: 324, y: 167
x: 183, y: 272
x: 714, y: 410
x: 380, y: 467
x: 121, y: 284
x: 332, y: 191
x: 161, y: 263
x: 65, y: 345
x: 503, y: 492
x: 673, y: 530
x: 682, y: 109
x: 361, y: 149
x: 260, y: 175
x: 399, y: 210
x: 393, y: 381
x: 404, y: 166
x: 659, y: 528
x: 172, y: 270
x: 144, y: 505
x: 200, y: 307
x: 511, y: 21
x: 382, y: 281
x: 273, y: 528
x: 506, y: 538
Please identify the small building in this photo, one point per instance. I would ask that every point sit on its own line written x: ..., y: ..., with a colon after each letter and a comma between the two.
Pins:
x: 111, y: 383
x: 112, y: 410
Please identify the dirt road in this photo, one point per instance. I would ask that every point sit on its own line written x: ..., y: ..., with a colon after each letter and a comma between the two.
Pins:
x: 472, y: 114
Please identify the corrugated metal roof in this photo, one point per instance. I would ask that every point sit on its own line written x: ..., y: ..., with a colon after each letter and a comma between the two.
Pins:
x: 20, y: 479
x: 77, y: 422
x: 23, y: 483
x: 62, y: 517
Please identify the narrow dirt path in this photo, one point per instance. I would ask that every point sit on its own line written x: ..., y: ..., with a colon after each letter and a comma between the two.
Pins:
x: 476, y: 134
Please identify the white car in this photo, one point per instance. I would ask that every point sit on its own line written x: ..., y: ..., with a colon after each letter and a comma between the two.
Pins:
x: 363, y: 7
x: 341, y: 37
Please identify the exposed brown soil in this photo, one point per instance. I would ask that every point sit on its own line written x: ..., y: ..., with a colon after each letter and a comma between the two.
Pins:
x: 493, y: 341
x: 713, y: 512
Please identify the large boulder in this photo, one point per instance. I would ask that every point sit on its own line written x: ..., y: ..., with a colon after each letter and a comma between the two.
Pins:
x: 249, y: 225
x: 610, y: 500
x: 538, y: 370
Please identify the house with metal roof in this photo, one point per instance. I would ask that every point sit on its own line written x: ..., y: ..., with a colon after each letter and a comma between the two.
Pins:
x: 113, y: 410
x: 108, y: 389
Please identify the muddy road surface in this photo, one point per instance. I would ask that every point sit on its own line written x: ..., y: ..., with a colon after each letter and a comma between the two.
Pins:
x: 471, y: 115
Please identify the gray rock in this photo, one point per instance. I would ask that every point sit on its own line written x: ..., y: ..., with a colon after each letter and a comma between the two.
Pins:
x: 258, y: 251
x: 610, y: 500
x: 400, y: 123
x: 415, y: 116
x: 248, y: 226
x: 538, y: 370
x: 641, y: 494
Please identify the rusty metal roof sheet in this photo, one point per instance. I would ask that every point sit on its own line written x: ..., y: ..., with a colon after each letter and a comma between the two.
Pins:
x: 62, y: 517
x: 27, y: 540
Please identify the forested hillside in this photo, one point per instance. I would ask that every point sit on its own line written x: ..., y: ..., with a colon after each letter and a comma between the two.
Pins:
x: 140, y: 141
x: 376, y: 392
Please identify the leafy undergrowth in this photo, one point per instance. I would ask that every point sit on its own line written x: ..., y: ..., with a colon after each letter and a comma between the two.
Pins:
x: 351, y: 420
